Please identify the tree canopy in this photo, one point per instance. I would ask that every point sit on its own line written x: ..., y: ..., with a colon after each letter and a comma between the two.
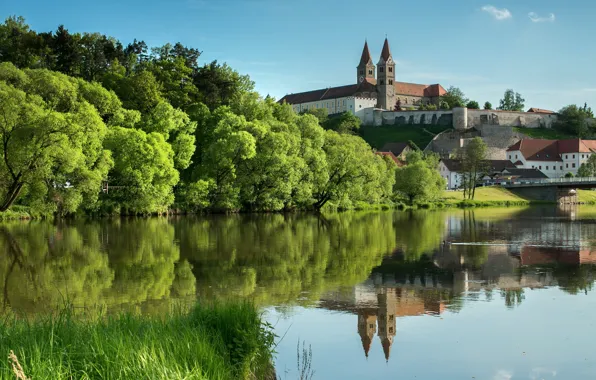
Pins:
x: 419, y: 180
x: 454, y: 97
x: 574, y: 120
x: 512, y: 101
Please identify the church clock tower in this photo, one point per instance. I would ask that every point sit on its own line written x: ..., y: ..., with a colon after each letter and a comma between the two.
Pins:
x: 366, y: 68
x: 386, y: 78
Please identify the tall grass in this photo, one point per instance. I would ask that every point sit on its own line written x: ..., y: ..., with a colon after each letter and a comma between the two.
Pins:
x: 222, y: 341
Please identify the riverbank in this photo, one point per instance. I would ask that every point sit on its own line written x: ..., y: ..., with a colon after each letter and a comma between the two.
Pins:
x: 207, y: 342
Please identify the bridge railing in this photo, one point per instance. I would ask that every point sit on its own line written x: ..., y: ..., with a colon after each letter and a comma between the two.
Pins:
x: 541, y: 181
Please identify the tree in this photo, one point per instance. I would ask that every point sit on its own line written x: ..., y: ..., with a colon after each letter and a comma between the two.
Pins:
x: 472, y: 104
x: 320, y: 113
x: 419, y: 180
x: 220, y: 85
x: 488, y: 106
x: 512, y: 101
x: 51, y: 141
x: 444, y: 105
x: 569, y: 175
x: 473, y: 160
x: 346, y: 122
x: 397, y: 105
x: 573, y: 120
x: 588, y: 168
x: 454, y: 97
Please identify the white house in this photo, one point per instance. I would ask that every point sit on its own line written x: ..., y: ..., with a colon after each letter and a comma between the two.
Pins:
x: 554, y: 158
x: 353, y: 104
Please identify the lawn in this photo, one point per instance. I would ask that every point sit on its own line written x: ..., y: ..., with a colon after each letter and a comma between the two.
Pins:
x: 379, y: 136
x: 490, y: 193
x: 543, y: 133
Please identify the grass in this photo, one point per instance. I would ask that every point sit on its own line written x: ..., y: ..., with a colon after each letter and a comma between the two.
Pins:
x: 587, y: 196
x: 489, y: 193
x: 543, y: 133
x: 379, y: 136
x: 225, y: 341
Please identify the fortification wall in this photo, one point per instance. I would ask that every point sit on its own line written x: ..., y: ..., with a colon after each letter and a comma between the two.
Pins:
x: 458, y: 118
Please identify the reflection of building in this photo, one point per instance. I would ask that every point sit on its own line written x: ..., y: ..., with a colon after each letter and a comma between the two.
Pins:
x: 532, y: 255
x: 387, y: 306
x: 367, y: 327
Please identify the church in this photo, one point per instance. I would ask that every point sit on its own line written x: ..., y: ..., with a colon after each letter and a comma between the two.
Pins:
x: 375, y: 87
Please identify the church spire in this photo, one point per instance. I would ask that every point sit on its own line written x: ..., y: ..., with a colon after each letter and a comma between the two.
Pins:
x: 386, y: 53
x: 365, y: 59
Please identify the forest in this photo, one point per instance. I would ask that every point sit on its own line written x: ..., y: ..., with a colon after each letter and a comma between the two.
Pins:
x: 91, y: 126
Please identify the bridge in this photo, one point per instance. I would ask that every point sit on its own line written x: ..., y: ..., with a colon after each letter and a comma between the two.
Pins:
x: 562, y: 190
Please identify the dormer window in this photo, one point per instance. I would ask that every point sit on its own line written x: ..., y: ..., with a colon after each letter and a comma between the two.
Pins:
x: 369, y: 72
x: 390, y: 69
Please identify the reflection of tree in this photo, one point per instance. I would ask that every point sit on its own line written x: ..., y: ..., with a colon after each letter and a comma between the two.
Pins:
x: 575, y: 279
x: 90, y: 264
x: 513, y: 297
x: 278, y: 258
x: 419, y: 232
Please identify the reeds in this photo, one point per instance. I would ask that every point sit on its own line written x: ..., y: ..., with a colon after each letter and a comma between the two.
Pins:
x: 208, y: 342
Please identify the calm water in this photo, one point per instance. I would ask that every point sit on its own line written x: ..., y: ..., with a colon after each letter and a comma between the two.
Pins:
x: 485, y: 294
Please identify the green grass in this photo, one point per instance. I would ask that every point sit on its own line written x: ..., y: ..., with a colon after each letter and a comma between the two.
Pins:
x: 490, y: 193
x: 207, y: 342
x: 376, y: 137
x: 543, y: 133
x: 587, y: 196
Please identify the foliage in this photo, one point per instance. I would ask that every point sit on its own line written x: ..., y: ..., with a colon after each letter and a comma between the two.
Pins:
x: 543, y: 133
x: 588, y: 168
x: 488, y: 106
x: 346, y: 122
x: 419, y: 180
x: 428, y: 107
x: 573, y: 120
x: 512, y: 101
x: 320, y: 113
x: 378, y: 136
x: 473, y: 161
x: 472, y: 104
x: 454, y: 97
x: 569, y: 175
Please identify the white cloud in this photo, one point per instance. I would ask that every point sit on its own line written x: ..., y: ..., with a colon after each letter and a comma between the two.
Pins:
x: 535, y: 18
x: 499, y: 14
x: 503, y: 375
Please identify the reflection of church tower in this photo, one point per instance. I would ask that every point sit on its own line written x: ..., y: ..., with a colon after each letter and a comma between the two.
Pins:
x: 367, y: 326
x: 387, y: 306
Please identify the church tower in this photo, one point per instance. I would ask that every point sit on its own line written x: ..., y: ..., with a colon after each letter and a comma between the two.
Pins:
x: 366, y: 68
x: 386, y: 78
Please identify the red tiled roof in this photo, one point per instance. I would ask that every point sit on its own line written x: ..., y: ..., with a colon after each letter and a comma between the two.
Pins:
x: 551, y: 150
x: 401, y: 88
x: 386, y: 53
x: 397, y: 161
x: 365, y: 59
x: 540, y: 110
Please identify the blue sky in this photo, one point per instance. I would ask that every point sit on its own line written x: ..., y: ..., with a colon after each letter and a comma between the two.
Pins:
x: 292, y: 46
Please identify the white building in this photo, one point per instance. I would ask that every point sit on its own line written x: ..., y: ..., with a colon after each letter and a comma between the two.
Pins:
x: 555, y: 158
x: 353, y: 104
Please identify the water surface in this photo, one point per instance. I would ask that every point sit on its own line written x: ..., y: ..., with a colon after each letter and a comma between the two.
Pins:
x: 459, y: 294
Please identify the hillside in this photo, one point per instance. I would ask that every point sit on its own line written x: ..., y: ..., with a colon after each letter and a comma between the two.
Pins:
x: 421, y: 135
x: 543, y: 133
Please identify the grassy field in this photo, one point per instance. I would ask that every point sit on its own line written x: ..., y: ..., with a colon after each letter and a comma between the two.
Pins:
x: 543, y: 133
x: 215, y: 342
x: 379, y: 136
x: 491, y: 193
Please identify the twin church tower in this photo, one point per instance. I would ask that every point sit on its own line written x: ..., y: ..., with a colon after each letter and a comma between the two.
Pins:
x: 375, y: 87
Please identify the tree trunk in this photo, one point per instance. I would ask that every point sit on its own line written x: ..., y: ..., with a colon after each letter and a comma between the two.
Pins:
x: 11, y: 196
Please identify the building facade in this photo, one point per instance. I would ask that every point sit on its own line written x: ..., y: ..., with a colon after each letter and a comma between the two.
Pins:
x: 375, y: 87
x: 555, y: 158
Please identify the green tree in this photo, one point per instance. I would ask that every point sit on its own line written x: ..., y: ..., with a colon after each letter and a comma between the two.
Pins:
x: 444, y: 105
x: 573, y: 120
x: 588, y: 168
x: 473, y: 159
x: 320, y: 113
x: 419, y: 180
x: 454, y: 97
x: 472, y: 104
x: 346, y: 122
x: 488, y: 106
x: 220, y: 85
x: 512, y: 101
x: 51, y: 141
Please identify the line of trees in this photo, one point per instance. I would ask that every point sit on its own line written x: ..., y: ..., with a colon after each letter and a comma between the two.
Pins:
x: 155, y: 130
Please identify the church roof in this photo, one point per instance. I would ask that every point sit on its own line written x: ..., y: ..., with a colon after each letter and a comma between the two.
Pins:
x: 401, y: 88
x: 365, y: 55
x: 540, y: 110
x: 386, y: 53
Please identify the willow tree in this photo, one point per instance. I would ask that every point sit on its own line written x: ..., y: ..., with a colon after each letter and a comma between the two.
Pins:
x: 51, y: 141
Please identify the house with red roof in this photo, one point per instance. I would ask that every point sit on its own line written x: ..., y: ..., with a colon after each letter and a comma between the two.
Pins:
x: 375, y: 87
x: 555, y: 158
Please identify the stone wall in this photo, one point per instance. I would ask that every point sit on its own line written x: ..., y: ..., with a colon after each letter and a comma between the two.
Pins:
x: 458, y: 118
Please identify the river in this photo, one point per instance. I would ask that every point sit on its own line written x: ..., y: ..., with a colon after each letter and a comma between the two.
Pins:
x: 457, y: 294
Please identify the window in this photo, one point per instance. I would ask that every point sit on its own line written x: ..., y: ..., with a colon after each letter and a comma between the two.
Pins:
x: 510, y: 157
x: 391, y: 317
x: 390, y: 330
x: 381, y: 69
x: 371, y: 326
x: 361, y: 106
x: 390, y: 81
x: 566, y: 156
x: 361, y: 72
x: 516, y: 156
x: 533, y: 167
x: 573, y: 156
x: 390, y: 69
x: 561, y: 167
x: 566, y: 165
x: 369, y: 72
x: 547, y: 168
x: 573, y: 165
x: 540, y: 167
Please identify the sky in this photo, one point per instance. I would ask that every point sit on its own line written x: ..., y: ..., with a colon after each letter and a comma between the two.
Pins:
x: 542, y: 49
